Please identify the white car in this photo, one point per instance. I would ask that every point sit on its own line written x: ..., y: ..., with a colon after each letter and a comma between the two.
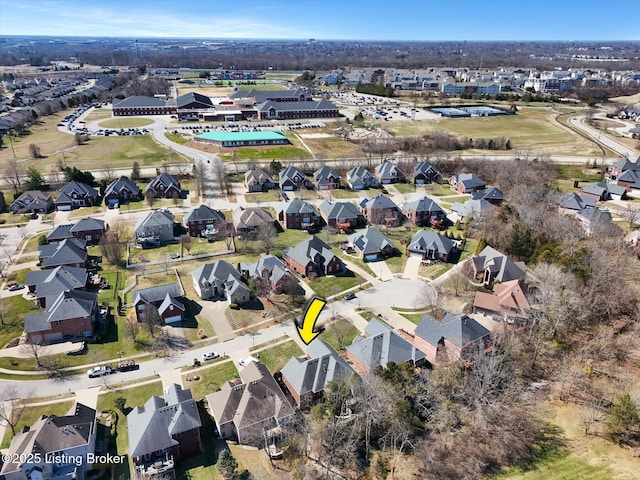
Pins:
x: 243, y: 362
x: 99, y: 371
x: 210, y: 356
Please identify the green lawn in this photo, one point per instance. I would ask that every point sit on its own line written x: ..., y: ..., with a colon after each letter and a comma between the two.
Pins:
x: 367, y: 315
x: 413, y: 317
x: 334, y: 285
x: 136, y: 397
x: 405, y: 187
x: 268, y: 196
x: 396, y: 264
x: 275, y: 358
x: 270, y: 153
x: 340, y: 330
x: 131, y: 122
x: 343, y: 193
x: 32, y: 243
x: 211, y: 379
x: 176, y: 138
x: 31, y: 414
x: 16, y: 308
x: 439, y: 190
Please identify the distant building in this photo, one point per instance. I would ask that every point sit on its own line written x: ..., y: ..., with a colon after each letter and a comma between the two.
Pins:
x: 243, y: 139
x: 139, y: 105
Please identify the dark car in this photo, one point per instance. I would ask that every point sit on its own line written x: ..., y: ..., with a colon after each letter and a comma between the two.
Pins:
x: 350, y: 296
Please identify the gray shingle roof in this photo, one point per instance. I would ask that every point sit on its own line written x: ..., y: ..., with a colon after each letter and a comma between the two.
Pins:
x: 471, y: 207
x: 163, y: 179
x: 491, y: 193
x: 322, y: 366
x: 257, y: 175
x: 294, y: 174
x: 306, y: 251
x: 424, y: 240
x: 155, y: 218
x: 573, y: 201
x: 504, y: 268
x: 469, y: 180
x: 60, y: 233
x: 69, y: 304
x: 52, y: 282
x: 388, y: 171
x: 66, y: 252
x: 379, y: 201
x: 88, y: 224
x: 359, y: 175
x: 295, y: 106
x: 426, y: 168
x: 295, y: 205
x: 339, y: 210
x: 370, y: 241
x: 424, y: 204
x: 384, y: 345
x: 250, y: 218
x: 461, y: 330
x: 192, y: 97
x: 79, y: 189
x: 122, y: 184
x: 156, y: 294
x: 204, y: 212
x: 152, y: 426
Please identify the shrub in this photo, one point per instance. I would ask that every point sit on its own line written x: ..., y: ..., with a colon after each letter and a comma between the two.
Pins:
x: 233, y: 306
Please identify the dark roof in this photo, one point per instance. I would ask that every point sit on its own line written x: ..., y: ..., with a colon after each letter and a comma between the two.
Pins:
x: 120, y: 184
x: 139, y: 101
x: 379, y: 201
x: 370, y: 241
x: 573, y: 201
x: 426, y: 168
x: 65, y: 194
x: 156, y: 294
x: 88, y: 224
x: 305, y: 251
x: 499, y: 264
x: 69, y: 304
x: 69, y: 250
x: 163, y: 179
x: 295, y: 106
x: 492, y: 193
x: 461, y: 330
x: 424, y: 204
x: 244, y: 218
x: 192, y: 97
x: 60, y: 233
x: 204, y: 212
x: 52, y: 282
x: 469, y: 180
x: 387, y: 170
x: 424, y: 240
x: 295, y: 205
x: 339, y: 210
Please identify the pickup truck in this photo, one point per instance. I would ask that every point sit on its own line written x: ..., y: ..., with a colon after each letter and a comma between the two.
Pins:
x: 127, y: 366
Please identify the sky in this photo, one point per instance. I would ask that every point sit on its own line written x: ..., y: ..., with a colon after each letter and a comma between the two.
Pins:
x: 424, y: 20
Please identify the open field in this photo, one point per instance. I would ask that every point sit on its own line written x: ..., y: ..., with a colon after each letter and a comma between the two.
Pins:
x: 531, y: 128
x: 333, y: 147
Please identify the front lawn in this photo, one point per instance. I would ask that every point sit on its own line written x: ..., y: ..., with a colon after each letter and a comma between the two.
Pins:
x: 343, y: 193
x: 405, y: 188
x: 211, y: 379
x: 339, y: 334
x: 274, y: 358
x: 258, y: 197
x: 333, y: 285
x: 15, y: 308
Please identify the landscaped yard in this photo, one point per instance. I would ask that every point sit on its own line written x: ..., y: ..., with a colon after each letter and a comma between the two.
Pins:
x: 340, y: 331
x: 439, y: 190
x: 163, y: 254
x: 335, y: 284
x: 268, y: 196
x: 413, y: 317
x: 274, y: 358
x: 211, y: 379
x: 31, y: 414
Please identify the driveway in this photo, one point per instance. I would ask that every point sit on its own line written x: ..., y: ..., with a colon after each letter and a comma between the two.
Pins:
x: 214, y: 313
x: 412, y: 267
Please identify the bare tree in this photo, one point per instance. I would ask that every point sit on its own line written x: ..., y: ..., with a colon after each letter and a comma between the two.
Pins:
x: 186, y: 243
x: 631, y: 214
x: 222, y: 180
x: 200, y: 177
x: 113, y: 243
x: 132, y: 327
x: 34, y: 150
x: 33, y: 348
x: 135, y: 172
x: 150, y: 198
x: 108, y: 173
x: 150, y: 318
x: 14, y: 174
x: 11, y: 406
x: 266, y: 235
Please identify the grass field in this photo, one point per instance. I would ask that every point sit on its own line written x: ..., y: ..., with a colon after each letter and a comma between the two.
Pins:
x: 16, y: 307
x: 31, y: 414
x: 274, y: 358
x: 333, y: 147
x: 268, y: 196
x: 211, y: 379
x: 268, y: 153
x: 125, y: 123
x: 333, y: 285
x: 342, y: 194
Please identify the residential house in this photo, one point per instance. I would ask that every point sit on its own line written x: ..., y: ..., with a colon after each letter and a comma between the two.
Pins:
x: 72, y: 314
x: 381, y: 345
x: 387, y: 173
x: 218, y: 280
x: 71, y: 438
x: 602, y: 191
x: 574, y: 202
x: 429, y: 245
x: 272, y: 271
x: 467, y: 183
x: 88, y: 229
x: 371, y: 245
x: 593, y: 219
x: 250, y: 408
x: 456, y: 337
x: 163, y: 186
x: 248, y: 220
x: 426, y: 172
x: 359, y: 178
x: 307, y: 377
x: 381, y: 210
x: 70, y: 252
x: 508, y: 302
x: 291, y: 178
x: 162, y: 300
x: 204, y: 221
x: 312, y: 257
x: 493, y: 195
x: 156, y: 228
x: 341, y: 215
x: 121, y: 190
x: 630, y: 180
x: 46, y: 285
x: 424, y: 212
x: 32, y: 201
x: 326, y: 178
x: 75, y: 195
x: 163, y: 432
x: 471, y: 208
x: 620, y: 166
x: 491, y: 265
x: 257, y: 180
x: 297, y: 214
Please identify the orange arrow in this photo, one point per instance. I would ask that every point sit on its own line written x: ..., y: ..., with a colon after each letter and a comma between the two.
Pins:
x: 307, y: 330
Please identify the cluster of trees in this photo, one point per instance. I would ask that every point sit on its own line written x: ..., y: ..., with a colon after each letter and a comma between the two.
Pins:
x: 375, y: 89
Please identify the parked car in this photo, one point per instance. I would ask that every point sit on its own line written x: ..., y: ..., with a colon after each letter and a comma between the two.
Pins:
x: 99, y: 371
x: 210, y: 356
x: 16, y: 286
x: 243, y: 362
x: 350, y: 296
x: 127, y: 366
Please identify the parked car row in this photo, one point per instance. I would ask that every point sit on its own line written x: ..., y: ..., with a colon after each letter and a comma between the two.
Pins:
x: 102, y: 370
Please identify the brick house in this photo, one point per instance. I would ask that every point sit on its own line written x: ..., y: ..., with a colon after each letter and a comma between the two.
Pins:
x: 75, y: 195
x: 381, y: 210
x: 312, y: 257
x: 122, y: 190
x: 424, y: 212
x: 163, y: 300
x: 297, y: 214
x: 203, y: 221
x: 163, y: 186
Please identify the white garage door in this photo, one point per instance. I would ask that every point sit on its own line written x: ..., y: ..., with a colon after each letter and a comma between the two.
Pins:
x: 64, y: 208
x: 416, y: 255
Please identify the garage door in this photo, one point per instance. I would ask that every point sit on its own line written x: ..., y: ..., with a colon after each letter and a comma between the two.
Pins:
x: 64, y: 208
x: 416, y: 255
x: 52, y: 337
x: 419, y: 181
x: 371, y: 258
x: 174, y: 319
x: 288, y: 188
x: 358, y: 187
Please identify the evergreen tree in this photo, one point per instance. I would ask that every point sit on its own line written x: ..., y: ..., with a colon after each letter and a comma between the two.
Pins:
x: 227, y: 464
